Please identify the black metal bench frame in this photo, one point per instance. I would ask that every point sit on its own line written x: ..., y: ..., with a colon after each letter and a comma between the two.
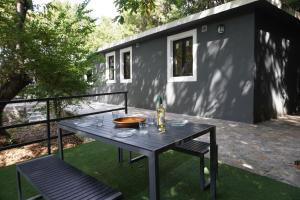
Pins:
x: 199, y: 149
x: 55, y: 179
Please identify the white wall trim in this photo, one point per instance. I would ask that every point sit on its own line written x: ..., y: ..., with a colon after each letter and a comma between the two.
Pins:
x: 107, y: 67
x: 122, y: 51
x: 170, y: 40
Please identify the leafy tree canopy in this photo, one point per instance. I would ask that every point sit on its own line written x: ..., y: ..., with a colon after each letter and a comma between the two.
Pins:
x: 145, y: 7
x: 61, y: 53
x: 49, y: 48
x: 294, y: 4
x: 108, y: 31
x: 155, y: 12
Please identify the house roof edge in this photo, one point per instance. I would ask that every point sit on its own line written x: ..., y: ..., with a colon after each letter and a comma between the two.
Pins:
x: 191, y: 18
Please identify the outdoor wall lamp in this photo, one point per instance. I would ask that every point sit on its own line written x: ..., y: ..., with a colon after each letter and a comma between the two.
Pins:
x: 221, y: 28
x: 204, y: 28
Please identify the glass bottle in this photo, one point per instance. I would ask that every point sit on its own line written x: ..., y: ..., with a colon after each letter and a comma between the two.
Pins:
x: 161, y: 123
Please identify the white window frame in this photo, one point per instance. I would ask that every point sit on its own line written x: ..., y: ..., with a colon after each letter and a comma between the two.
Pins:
x: 170, y: 60
x: 122, y: 51
x: 107, y: 67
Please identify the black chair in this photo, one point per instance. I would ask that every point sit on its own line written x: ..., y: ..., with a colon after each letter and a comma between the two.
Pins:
x: 197, y: 148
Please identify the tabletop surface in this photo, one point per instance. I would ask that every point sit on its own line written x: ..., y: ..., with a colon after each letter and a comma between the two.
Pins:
x: 148, y: 138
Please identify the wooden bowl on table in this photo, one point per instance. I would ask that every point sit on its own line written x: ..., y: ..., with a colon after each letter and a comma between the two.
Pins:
x: 128, y: 122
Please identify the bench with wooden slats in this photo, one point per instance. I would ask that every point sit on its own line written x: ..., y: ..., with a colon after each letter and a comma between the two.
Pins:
x: 196, y: 148
x: 55, y: 179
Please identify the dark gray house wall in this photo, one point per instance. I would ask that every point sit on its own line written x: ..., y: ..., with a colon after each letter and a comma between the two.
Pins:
x: 277, y: 80
x: 250, y: 73
x: 225, y: 72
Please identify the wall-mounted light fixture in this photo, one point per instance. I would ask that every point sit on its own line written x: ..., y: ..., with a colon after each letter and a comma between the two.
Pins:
x: 204, y: 28
x: 137, y: 45
x: 221, y: 28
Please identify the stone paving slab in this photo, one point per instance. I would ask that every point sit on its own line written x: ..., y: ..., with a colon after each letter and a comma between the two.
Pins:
x: 269, y: 148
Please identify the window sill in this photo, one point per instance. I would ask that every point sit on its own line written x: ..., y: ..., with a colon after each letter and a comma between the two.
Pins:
x: 182, y: 79
x: 111, y: 81
x: 126, y: 81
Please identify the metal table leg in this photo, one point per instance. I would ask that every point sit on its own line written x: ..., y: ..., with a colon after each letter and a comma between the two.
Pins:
x: 20, y: 196
x: 120, y: 155
x: 213, y: 164
x: 153, y: 168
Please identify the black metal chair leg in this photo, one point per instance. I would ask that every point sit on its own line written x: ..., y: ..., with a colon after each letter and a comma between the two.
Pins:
x: 120, y: 155
x: 130, y: 156
x: 202, y: 178
x: 204, y: 184
x: 217, y: 164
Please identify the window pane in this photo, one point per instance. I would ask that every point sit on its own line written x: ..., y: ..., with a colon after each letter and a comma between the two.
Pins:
x: 177, y: 55
x: 111, y: 66
x: 126, y: 58
x: 183, y: 57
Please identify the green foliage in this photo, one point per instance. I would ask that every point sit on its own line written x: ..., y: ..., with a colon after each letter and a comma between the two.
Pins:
x: 54, y: 51
x: 156, y: 12
x: 147, y: 14
x: 142, y: 15
x: 144, y: 7
x: 8, y: 38
x: 59, y: 53
x: 187, y: 7
x: 163, y: 13
x: 294, y: 4
x: 108, y: 31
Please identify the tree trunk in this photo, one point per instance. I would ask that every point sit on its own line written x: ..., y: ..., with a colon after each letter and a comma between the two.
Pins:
x: 2, y: 132
x: 22, y: 7
x: 18, y: 80
x: 15, y: 84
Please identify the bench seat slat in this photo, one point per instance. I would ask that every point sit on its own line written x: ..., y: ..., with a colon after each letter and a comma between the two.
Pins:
x: 55, y: 179
x: 69, y: 179
x: 87, y: 194
x: 78, y: 190
x: 48, y: 178
x: 106, y: 196
x: 61, y: 186
x: 90, y: 195
x: 74, y: 190
x: 194, y: 147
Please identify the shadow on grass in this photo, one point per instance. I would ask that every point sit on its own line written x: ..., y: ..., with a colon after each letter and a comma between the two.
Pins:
x: 179, y: 177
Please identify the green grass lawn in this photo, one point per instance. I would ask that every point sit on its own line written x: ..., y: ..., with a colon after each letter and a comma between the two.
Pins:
x: 179, y: 177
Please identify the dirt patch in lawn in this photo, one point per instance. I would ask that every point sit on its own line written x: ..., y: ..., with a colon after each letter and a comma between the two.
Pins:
x: 28, y: 134
x: 18, y: 114
x: 12, y: 156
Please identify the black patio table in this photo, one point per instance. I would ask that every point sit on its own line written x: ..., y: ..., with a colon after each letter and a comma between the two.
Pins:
x: 150, y: 144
